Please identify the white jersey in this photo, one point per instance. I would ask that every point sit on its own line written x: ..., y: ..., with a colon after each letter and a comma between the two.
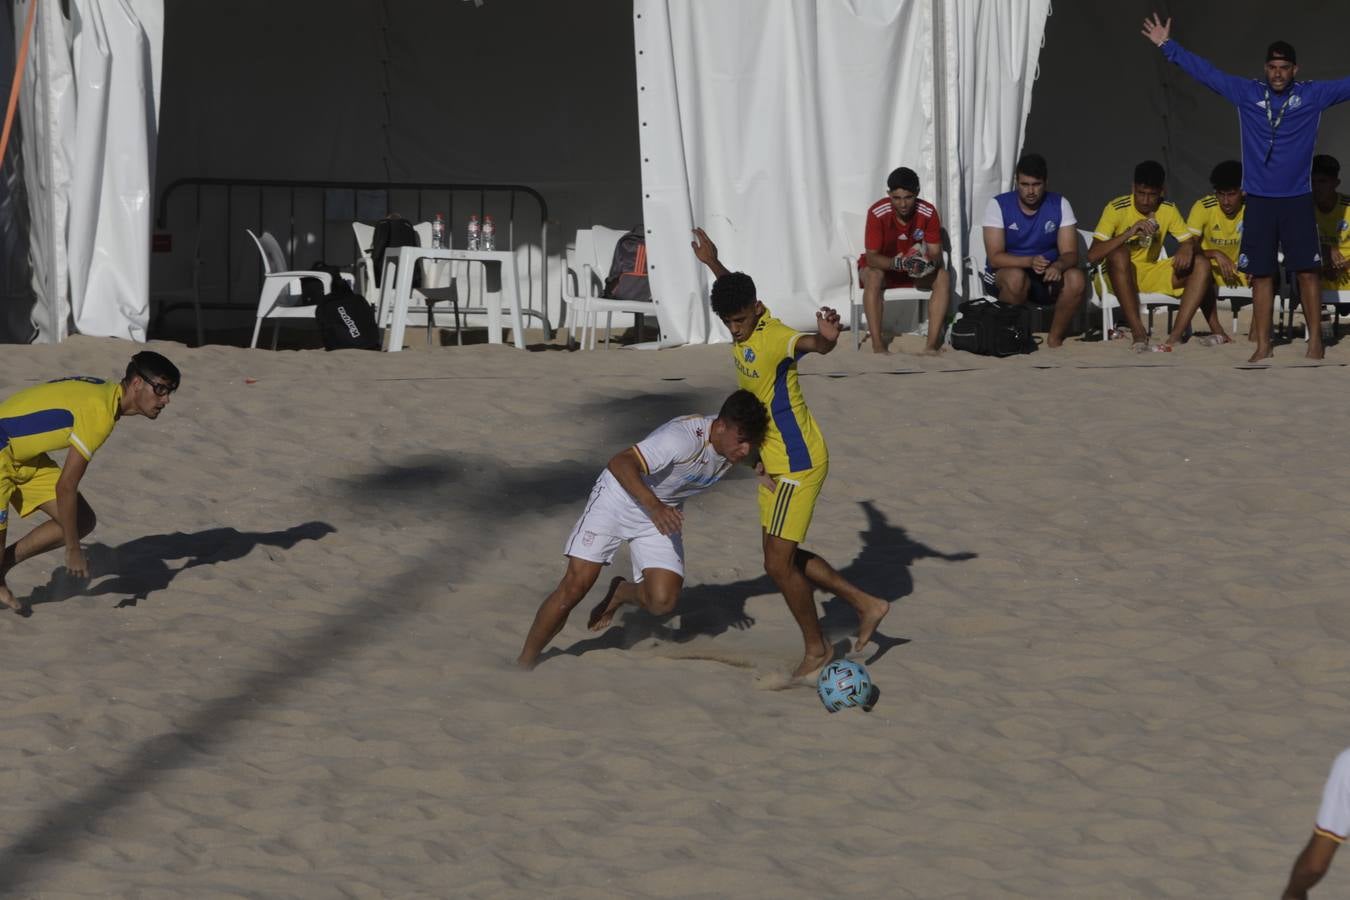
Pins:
x: 677, y: 460
x: 1333, y: 818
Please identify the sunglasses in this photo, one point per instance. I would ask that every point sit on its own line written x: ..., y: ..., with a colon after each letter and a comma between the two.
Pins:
x: 160, y: 388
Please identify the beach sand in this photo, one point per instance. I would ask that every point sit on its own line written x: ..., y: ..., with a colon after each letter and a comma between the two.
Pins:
x: 1116, y: 663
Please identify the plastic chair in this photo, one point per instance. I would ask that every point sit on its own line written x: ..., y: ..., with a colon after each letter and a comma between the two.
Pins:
x: 1335, y: 299
x: 852, y: 230
x: 424, y: 298
x: 592, y: 255
x: 281, y: 297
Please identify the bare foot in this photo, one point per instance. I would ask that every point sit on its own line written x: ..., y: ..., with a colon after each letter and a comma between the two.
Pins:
x: 882, y: 351
x: 931, y: 351
x: 869, y: 620
x: 8, y: 599
x: 812, y: 662
x: 1261, y: 353
x: 604, y: 611
x: 1315, y: 353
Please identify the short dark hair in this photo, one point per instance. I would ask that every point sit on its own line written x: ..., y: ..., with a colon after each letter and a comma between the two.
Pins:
x: 732, y: 293
x: 1226, y: 176
x: 1282, y: 50
x: 903, y: 179
x: 1033, y: 165
x: 149, y: 364
x: 1326, y: 165
x: 744, y: 410
x: 1150, y: 173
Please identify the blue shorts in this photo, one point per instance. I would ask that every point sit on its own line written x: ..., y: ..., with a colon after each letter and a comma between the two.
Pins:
x: 1039, y: 292
x: 1271, y: 224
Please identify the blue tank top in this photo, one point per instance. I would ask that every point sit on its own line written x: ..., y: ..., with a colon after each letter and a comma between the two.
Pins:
x: 1034, y: 235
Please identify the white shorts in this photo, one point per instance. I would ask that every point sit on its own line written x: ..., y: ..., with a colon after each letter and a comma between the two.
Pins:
x: 612, y: 517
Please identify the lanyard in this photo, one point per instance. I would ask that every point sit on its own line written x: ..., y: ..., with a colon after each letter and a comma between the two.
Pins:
x: 1275, y: 120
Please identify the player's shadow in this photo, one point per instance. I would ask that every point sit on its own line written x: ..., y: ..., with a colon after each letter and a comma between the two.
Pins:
x: 136, y: 569
x: 707, y: 610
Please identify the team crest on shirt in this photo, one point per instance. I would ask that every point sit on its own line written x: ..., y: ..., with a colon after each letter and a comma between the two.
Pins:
x: 1342, y: 225
x: 588, y: 538
x: 918, y: 235
x: 1242, y: 260
x: 1295, y: 101
x: 1051, y: 226
x: 749, y: 354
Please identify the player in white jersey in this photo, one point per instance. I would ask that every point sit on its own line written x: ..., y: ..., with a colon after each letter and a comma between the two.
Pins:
x: 638, y: 499
x: 1329, y: 832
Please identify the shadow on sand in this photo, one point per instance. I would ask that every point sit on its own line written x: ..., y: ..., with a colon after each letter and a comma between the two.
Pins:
x: 882, y: 569
x: 138, y: 568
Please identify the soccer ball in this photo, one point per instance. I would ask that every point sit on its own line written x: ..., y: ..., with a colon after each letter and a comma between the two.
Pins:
x: 845, y: 683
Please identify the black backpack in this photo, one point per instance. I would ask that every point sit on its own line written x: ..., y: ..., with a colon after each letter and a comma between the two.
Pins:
x: 993, y: 328
x: 393, y: 231
x: 628, y: 272
x: 346, y: 321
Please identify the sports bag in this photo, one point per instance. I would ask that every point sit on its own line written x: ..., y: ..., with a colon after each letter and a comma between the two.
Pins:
x: 346, y: 321
x: 628, y: 271
x: 993, y: 328
x: 393, y: 231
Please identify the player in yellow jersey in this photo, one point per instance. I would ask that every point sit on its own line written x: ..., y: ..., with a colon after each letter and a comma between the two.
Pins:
x: 1216, y: 222
x: 77, y: 415
x: 794, y: 457
x: 1129, y: 237
x: 1332, y: 209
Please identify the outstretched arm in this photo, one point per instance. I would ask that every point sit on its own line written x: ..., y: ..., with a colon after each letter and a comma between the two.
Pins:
x: 68, y: 510
x: 826, y: 336
x: 1202, y: 70
x: 706, y: 251
x: 1310, y: 866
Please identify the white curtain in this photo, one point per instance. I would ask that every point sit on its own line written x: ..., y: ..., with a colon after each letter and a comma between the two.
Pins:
x: 91, y: 96
x: 765, y: 120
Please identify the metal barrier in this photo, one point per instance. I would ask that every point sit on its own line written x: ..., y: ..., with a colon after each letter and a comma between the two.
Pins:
x: 237, y: 219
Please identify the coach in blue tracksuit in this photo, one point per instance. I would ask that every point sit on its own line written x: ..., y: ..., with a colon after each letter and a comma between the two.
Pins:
x: 1279, y: 118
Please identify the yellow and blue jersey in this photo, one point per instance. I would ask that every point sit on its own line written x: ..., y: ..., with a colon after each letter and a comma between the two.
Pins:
x: 766, y: 365
x: 1120, y: 215
x: 74, y: 412
x: 1214, y: 229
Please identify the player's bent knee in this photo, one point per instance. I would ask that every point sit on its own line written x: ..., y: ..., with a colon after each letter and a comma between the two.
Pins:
x: 873, y: 277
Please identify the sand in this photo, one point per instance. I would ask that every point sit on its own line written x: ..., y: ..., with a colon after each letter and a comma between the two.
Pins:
x: 1115, y: 666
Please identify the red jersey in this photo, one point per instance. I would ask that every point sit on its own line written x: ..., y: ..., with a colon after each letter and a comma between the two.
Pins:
x: 887, y: 235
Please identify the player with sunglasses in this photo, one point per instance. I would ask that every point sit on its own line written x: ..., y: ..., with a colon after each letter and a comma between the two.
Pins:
x: 75, y: 414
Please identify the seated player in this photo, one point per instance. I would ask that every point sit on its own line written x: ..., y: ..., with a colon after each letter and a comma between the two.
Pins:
x: 1333, y: 222
x: 75, y: 415
x: 1216, y: 221
x: 1129, y: 237
x: 902, y: 248
x: 638, y: 500
x: 1031, y: 248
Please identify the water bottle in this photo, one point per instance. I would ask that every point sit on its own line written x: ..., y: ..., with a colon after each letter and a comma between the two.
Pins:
x: 473, y: 233
x: 489, y: 234
x: 438, y: 232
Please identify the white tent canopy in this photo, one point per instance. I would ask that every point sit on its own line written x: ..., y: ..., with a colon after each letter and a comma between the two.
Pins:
x: 762, y: 120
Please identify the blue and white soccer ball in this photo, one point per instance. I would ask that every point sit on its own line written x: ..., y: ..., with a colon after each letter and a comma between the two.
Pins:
x: 845, y: 683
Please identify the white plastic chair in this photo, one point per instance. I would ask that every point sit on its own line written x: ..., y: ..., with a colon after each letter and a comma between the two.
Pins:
x: 1334, y: 299
x: 424, y: 299
x: 852, y: 230
x: 280, y: 297
x: 1105, y: 300
x: 590, y: 260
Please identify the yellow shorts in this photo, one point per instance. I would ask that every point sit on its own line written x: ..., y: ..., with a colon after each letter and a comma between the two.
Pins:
x: 26, y: 485
x: 786, y: 511
x: 1156, y: 278
x: 1339, y: 283
x: 1241, y: 280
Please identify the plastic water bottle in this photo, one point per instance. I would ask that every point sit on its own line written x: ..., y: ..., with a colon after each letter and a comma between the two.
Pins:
x: 473, y: 233
x: 489, y: 234
x: 438, y: 232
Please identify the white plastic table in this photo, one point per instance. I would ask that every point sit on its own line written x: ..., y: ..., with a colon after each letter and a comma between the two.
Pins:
x: 405, y: 258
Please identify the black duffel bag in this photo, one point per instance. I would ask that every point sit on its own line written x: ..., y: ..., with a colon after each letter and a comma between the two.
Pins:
x: 993, y: 328
x: 346, y: 321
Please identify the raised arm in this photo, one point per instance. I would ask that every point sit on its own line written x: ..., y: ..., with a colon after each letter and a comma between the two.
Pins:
x: 826, y: 336
x: 706, y: 251
x: 1202, y: 70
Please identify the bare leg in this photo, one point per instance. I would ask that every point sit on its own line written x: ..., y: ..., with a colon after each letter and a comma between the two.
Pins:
x: 48, y: 535
x: 871, y: 610
x: 1263, y: 311
x: 1013, y: 285
x: 1070, y: 298
x: 552, y: 615
x: 657, y: 593
x: 1196, y: 286
x: 797, y: 591
x: 941, y: 286
x: 1310, y: 293
x: 6, y: 595
x: 874, y: 281
x: 1126, y: 288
